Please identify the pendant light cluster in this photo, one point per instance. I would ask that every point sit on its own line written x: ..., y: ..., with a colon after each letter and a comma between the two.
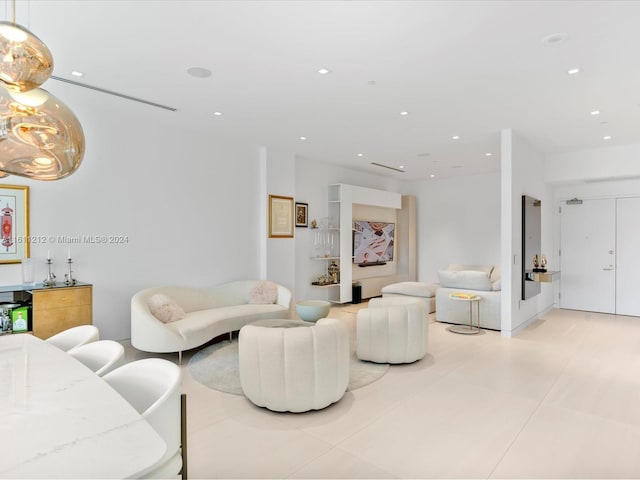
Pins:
x: 40, y: 137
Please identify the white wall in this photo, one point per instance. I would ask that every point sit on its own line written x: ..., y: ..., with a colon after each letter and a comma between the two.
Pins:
x: 185, y: 200
x: 280, y: 180
x: 569, y: 170
x: 458, y: 221
x: 522, y: 174
x: 597, y: 163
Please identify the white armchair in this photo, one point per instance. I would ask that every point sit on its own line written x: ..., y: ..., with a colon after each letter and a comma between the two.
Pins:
x: 482, y: 280
x: 295, y: 369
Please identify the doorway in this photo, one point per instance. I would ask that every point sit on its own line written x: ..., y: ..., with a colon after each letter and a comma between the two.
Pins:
x: 599, y: 255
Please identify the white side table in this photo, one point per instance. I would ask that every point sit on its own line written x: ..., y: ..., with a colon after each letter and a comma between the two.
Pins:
x: 470, y: 299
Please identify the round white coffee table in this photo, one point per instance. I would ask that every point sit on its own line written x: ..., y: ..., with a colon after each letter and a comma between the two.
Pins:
x: 470, y: 299
x: 279, y: 323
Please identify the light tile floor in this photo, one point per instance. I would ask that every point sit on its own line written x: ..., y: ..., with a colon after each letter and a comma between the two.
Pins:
x: 559, y: 400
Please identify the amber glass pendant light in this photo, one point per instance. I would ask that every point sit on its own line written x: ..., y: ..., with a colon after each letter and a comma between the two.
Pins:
x: 25, y: 61
x: 40, y: 137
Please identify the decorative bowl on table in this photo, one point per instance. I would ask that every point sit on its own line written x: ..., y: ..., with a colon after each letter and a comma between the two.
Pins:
x: 312, y: 310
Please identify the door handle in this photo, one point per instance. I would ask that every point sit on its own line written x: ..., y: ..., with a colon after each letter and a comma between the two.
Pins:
x: 607, y: 268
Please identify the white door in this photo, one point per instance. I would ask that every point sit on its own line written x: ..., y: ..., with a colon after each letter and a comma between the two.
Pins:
x: 628, y: 257
x: 587, y: 256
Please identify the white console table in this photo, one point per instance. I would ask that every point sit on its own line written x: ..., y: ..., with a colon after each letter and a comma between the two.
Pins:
x: 58, y: 419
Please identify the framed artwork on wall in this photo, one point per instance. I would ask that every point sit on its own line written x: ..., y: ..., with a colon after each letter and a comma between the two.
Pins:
x: 302, y: 210
x: 14, y: 223
x: 280, y: 216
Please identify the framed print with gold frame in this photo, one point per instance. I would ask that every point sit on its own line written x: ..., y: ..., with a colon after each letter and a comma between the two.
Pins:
x: 280, y: 216
x: 14, y: 221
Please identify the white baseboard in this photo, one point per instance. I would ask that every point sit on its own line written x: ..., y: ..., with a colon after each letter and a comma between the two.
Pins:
x: 527, y: 322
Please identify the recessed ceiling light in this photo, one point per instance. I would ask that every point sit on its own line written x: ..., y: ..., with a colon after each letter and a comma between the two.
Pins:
x: 360, y: 154
x: 303, y: 138
x: 404, y: 113
x: 573, y: 71
x: 488, y: 154
x: 76, y: 73
x: 456, y: 137
x: 401, y: 166
x: 199, y: 72
x: 217, y: 114
x: 555, y: 38
x: 324, y: 71
x: 432, y: 175
x: 607, y: 137
x: 595, y: 112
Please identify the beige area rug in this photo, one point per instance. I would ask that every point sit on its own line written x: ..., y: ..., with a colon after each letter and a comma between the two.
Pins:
x: 216, y: 366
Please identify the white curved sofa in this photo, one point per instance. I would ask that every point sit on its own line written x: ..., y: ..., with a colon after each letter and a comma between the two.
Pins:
x: 392, y: 330
x: 298, y: 367
x: 210, y: 312
x: 482, y: 280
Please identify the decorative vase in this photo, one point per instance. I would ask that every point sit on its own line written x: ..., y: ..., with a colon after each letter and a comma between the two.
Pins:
x: 334, y: 272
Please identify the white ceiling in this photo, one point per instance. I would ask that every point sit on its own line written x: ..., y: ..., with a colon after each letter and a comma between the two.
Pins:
x: 459, y: 68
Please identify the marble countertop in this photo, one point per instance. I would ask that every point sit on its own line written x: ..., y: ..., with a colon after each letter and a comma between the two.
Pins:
x: 58, y: 419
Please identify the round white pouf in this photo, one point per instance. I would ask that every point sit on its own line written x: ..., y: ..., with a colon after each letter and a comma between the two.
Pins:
x: 392, y: 330
x: 295, y: 369
x: 312, y: 310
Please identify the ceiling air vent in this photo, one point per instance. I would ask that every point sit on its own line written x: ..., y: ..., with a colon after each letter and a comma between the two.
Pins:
x: 387, y: 166
x: 612, y: 179
x: 110, y: 92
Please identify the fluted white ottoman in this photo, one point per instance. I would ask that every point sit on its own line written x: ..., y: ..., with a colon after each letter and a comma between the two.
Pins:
x: 294, y: 366
x: 392, y: 330
x: 423, y: 291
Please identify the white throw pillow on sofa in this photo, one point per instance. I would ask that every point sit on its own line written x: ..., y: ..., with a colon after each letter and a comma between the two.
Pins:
x: 263, y: 292
x: 467, y: 279
x: 457, y: 267
x: 165, y: 309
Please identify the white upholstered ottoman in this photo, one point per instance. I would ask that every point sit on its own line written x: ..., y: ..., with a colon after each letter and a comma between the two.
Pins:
x: 392, y: 330
x: 423, y: 291
x: 294, y: 366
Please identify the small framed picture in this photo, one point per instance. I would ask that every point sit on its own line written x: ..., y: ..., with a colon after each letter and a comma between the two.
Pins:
x: 302, y: 218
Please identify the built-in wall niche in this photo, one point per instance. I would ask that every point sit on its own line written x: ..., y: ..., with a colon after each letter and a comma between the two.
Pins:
x: 531, y: 245
x: 367, y: 213
x: 344, y: 202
